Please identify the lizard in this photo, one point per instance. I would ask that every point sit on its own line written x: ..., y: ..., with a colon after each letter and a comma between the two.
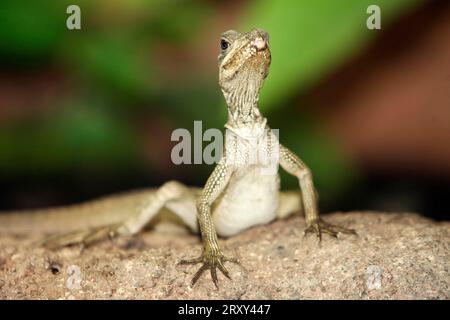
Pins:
x: 242, y: 191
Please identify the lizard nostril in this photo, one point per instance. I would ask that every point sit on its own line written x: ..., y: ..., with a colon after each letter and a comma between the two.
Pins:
x: 260, y: 44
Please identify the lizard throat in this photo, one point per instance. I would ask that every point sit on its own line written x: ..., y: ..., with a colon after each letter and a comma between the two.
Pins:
x: 242, y: 107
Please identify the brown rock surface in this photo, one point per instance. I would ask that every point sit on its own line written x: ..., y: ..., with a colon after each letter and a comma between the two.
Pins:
x: 395, y: 256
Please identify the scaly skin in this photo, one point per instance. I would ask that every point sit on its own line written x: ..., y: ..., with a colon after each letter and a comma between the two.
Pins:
x: 243, y: 190
x: 244, y: 63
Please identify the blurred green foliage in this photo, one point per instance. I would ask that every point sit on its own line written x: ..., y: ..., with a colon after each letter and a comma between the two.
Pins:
x: 308, y: 40
x: 115, y: 77
x: 311, y: 38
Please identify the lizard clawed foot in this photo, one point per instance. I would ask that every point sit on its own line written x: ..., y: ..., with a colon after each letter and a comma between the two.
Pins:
x: 211, y: 260
x: 318, y: 226
x: 82, y: 237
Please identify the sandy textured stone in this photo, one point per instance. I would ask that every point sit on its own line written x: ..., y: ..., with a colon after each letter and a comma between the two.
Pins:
x: 395, y: 256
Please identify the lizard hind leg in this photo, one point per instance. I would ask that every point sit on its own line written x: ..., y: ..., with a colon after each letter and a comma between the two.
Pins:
x: 177, y: 197
x: 290, y: 202
x: 83, y: 237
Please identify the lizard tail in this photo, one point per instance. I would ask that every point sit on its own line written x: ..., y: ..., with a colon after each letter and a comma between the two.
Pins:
x: 51, y: 220
x: 101, y: 212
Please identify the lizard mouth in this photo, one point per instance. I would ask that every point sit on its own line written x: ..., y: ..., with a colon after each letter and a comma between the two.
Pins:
x: 259, y: 51
x: 259, y: 46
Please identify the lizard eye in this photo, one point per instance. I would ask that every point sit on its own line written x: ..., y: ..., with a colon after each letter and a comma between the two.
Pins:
x: 224, y: 44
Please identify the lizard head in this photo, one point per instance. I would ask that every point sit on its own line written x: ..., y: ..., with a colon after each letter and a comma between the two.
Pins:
x: 244, y: 62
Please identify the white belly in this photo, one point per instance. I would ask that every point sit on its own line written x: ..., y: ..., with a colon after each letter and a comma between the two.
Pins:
x: 250, y: 199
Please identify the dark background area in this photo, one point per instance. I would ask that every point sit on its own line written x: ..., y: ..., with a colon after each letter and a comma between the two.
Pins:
x: 89, y: 112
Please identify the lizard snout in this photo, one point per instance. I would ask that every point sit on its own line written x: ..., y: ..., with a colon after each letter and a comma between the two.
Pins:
x: 260, y: 43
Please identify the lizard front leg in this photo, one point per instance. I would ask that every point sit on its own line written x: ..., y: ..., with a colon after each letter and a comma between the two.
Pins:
x: 293, y: 165
x: 212, y: 256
